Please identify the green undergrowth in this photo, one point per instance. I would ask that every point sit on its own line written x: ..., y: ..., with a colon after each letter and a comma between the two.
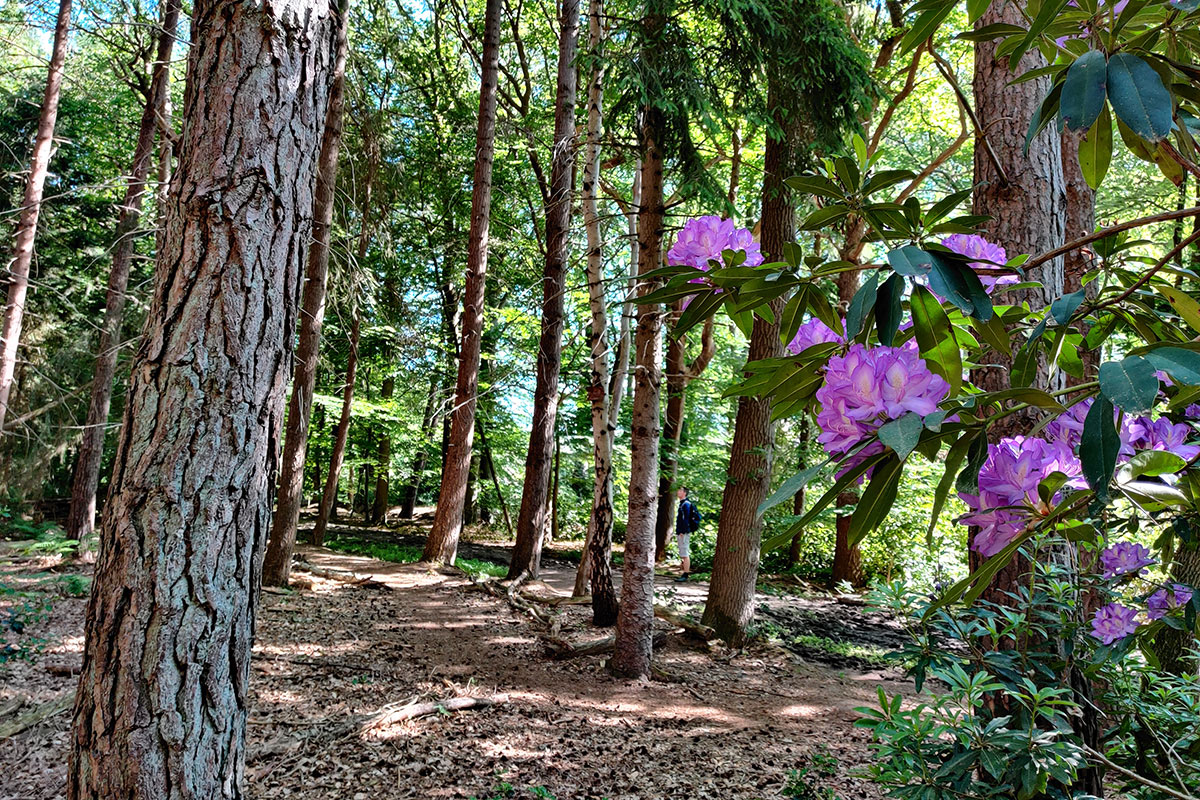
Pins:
x: 410, y: 554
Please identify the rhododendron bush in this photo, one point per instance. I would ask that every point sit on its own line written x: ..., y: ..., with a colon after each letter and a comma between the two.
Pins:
x: 1080, y: 470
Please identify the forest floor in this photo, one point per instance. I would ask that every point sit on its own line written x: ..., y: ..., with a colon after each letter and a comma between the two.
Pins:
x: 358, y: 638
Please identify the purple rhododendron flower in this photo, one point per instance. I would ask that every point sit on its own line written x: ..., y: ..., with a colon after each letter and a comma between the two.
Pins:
x: 1124, y: 558
x: 865, y: 388
x: 1068, y: 427
x: 1008, y: 488
x: 984, y: 255
x: 703, y: 239
x: 1114, y: 622
x: 1143, y: 433
x: 1165, y: 600
x: 813, y: 332
x: 1192, y: 411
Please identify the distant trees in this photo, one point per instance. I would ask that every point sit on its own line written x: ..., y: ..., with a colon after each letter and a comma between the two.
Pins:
x: 162, y: 699
x: 31, y: 209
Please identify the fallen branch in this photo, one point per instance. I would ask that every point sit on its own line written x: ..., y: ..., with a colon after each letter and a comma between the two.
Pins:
x: 668, y: 614
x: 415, y: 710
x: 38, y: 715
x: 1167, y: 790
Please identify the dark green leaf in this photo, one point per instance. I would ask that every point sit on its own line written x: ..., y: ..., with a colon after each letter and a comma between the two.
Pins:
x: 791, y: 486
x: 1182, y: 365
x: 902, y: 434
x: 1129, y: 383
x: 861, y: 305
x: 877, y: 499
x: 1100, y: 446
x: 935, y: 337
x: 911, y: 261
x: 1138, y: 96
x: 968, y: 479
x: 887, y: 309
x: 1095, y: 150
x: 1062, y: 308
x: 1084, y: 91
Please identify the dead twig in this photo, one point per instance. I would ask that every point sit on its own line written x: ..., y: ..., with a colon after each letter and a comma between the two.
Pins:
x: 415, y: 710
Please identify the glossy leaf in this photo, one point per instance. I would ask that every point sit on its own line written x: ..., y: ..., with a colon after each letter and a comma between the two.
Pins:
x: 1099, y: 447
x: 888, y: 311
x: 1095, y: 150
x: 1138, y: 96
x: 902, y: 434
x: 1084, y: 91
x: 935, y: 337
x: 861, y: 305
x: 1129, y: 383
x: 877, y: 499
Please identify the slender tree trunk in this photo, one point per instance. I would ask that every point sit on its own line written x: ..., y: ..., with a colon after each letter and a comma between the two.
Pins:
x: 408, y: 494
x: 595, y: 566
x: 679, y: 374
x: 277, y: 564
x: 532, y: 523
x: 162, y: 701
x: 379, y: 508
x: 81, y: 519
x: 471, y: 496
x: 442, y: 544
x: 31, y: 208
x: 802, y: 439
x: 635, y: 619
x: 730, y: 605
x: 338, y: 452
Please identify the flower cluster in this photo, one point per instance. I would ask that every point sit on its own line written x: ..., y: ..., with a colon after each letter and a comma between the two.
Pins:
x: 1114, y: 622
x: 1008, y: 488
x: 1143, y: 433
x: 985, y: 257
x: 1125, y: 558
x: 704, y: 239
x: 865, y: 388
x: 1166, y: 600
x: 813, y: 332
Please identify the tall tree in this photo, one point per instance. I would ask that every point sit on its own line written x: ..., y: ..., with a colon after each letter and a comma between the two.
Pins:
x: 635, y: 619
x: 408, y: 493
x: 277, y: 564
x: 81, y: 519
x: 379, y: 508
x: 31, y: 209
x: 531, y: 519
x: 162, y: 699
x: 442, y: 544
x: 816, y: 78
x: 337, y: 453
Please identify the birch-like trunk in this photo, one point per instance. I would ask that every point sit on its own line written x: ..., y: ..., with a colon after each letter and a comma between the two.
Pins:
x: 31, y: 208
x: 81, y: 520
x: 163, y: 694
x: 532, y: 521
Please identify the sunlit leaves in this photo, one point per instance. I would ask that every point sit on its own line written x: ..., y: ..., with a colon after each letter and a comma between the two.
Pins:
x: 1129, y: 383
x: 1138, y: 96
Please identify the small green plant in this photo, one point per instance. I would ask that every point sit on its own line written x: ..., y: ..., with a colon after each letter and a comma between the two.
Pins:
x: 28, y: 608
x: 476, y: 567
x: 71, y: 584
x: 803, y: 783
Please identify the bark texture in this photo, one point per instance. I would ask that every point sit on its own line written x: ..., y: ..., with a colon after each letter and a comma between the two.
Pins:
x: 1080, y: 221
x: 635, y: 620
x: 730, y: 605
x: 442, y: 544
x: 31, y: 209
x: 162, y: 701
x: 81, y: 520
x: 532, y: 519
x: 277, y: 564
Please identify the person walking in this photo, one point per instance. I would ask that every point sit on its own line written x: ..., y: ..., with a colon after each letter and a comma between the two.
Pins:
x: 687, y: 522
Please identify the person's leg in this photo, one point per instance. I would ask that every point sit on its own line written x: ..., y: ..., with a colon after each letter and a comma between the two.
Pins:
x: 685, y: 561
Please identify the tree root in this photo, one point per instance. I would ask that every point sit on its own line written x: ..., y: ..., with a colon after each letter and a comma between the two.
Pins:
x: 561, y: 649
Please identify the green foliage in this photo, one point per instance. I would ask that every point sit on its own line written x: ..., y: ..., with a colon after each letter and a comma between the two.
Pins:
x: 803, y: 783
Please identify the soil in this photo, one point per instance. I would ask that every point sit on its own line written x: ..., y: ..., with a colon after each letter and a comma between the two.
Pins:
x: 357, y: 638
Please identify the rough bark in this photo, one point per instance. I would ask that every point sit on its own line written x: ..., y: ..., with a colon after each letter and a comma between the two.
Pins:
x: 337, y: 453
x: 442, y: 544
x: 81, y: 520
x: 31, y: 208
x: 277, y: 564
x: 635, y: 619
x: 408, y: 494
x: 730, y: 605
x: 1024, y: 196
x: 163, y: 694
x: 532, y: 522
x: 680, y: 373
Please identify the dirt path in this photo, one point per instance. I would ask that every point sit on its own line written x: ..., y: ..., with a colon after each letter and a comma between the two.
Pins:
x: 331, y: 656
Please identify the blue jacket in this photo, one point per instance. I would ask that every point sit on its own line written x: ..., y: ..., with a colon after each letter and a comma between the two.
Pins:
x: 687, y: 518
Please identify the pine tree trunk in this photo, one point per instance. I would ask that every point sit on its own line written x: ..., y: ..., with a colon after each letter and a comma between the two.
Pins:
x: 730, y: 605
x: 162, y: 701
x: 408, y: 494
x: 442, y: 545
x: 81, y: 519
x: 532, y: 522
x: 337, y: 453
x: 379, y: 508
x: 1025, y: 200
x: 277, y: 564
x: 635, y: 619
x: 31, y: 208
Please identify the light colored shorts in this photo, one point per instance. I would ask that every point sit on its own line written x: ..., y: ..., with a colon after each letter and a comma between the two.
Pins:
x: 684, y: 542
